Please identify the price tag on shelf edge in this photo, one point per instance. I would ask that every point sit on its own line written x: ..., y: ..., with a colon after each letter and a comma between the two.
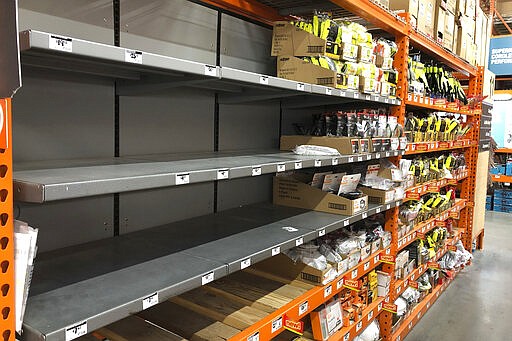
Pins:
x: 76, y: 331
x: 346, y: 337
x: 254, y: 337
x: 345, y: 222
x: 370, y: 316
x: 328, y: 91
x: 318, y: 163
x: 209, y: 277
x: 359, y: 325
x: 277, y: 324
x: 276, y: 250
x: 298, y: 165
x: 327, y: 291
x: 321, y: 233
x: 64, y: 44
x: 299, y: 241
x: 281, y: 168
x: 182, y: 179
x: 354, y: 274
x: 303, y: 308
x: 264, y: 80
x: 132, y: 56
x: 340, y: 283
x: 150, y: 301
x: 301, y: 87
x: 334, y: 161
x: 245, y: 263
x: 366, y: 266
x: 210, y: 70
x: 256, y: 171
x: 222, y: 174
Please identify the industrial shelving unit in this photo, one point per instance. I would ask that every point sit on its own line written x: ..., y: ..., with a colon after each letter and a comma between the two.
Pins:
x: 66, y: 302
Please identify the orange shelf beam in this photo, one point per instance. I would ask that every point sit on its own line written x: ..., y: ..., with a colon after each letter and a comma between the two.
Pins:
x: 504, y: 150
x: 304, y: 304
x: 436, y: 146
x: 248, y: 8
x: 501, y: 178
x: 428, y: 103
x: 415, y: 192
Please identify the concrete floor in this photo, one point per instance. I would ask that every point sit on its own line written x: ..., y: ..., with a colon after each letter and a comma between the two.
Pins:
x: 477, y: 305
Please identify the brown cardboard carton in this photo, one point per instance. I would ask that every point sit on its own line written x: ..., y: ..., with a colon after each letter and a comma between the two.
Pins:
x: 410, y: 6
x: 439, y: 26
x: 289, y: 40
x: 299, y: 70
x: 449, y: 31
x: 345, y: 145
x: 451, y: 6
x: 426, y: 19
x: 295, y: 192
x: 378, y: 196
x: 460, y: 9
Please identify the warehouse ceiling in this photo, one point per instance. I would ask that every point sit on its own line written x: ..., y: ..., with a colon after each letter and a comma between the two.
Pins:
x: 504, y: 8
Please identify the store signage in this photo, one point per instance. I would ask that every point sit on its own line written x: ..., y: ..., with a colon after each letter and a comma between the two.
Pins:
x: 500, y: 56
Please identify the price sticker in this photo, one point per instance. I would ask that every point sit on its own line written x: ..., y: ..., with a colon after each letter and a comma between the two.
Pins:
x: 398, y: 289
x: 61, y: 44
x: 366, y: 266
x: 318, y: 163
x: 346, y: 337
x: 410, y: 325
x: 245, y: 263
x: 359, y: 158
x: 377, y: 210
x: 370, y: 316
x: 299, y: 241
x: 428, y: 305
x: 281, y: 168
x: 256, y: 171
x: 321, y: 233
x: 328, y: 91
x: 276, y: 250
x: 334, y: 161
x: 387, y: 154
x: 298, y: 165
x: 368, y: 157
x: 354, y: 274
x: 376, y: 259
x: 345, y: 223
x: 301, y: 87
x: 339, y: 285
x: 377, y: 156
x: 208, y: 278
x: 379, y: 307
x: 343, y: 94
x: 254, y: 337
x: 277, y: 324
x: 409, y: 97
x: 222, y: 174
x: 150, y: 301
x: 359, y: 325
x: 182, y: 179
x: 388, y: 206
x: 264, y: 80
x: 356, y: 95
x: 365, y: 215
x: 376, y: 98
x: 289, y: 229
x: 303, y: 308
x: 419, y: 315
x: 398, y: 338
x: 210, y: 70
x: 327, y: 291
x: 132, y: 56
x: 350, y: 159
x: 386, y: 100
x: 76, y: 331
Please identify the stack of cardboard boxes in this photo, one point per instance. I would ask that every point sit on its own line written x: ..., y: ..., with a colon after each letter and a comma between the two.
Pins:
x: 460, y: 26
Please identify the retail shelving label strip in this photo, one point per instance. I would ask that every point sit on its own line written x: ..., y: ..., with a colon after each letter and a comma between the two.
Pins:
x: 182, y: 179
x: 208, y: 278
x: 264, y: 80
x: 76, y: 331
x: 64, y: 44
x: 150, y: 301
x: 321, y: 233
x: 222, y: 174
x: 245, y: 263
x: 133, y: 56
x: 254, y: 337
x: 277, y: 324
x: 327, y: 291
x: 210, y: 70
x: 303, y: 308
x: 318, y: 163
x: 276, y: 250
x: 282, y: 167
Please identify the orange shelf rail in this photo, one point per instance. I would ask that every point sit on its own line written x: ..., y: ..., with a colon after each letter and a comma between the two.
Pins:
x: 431, y: 223
x: 419, y: 101
x: 304, y: 304
x: 504, y: 150
x: 415, y: 192
x: 501, y: 178
x: 436, y: 146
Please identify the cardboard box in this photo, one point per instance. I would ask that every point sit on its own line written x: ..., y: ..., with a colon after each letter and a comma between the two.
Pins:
x: 385, y: 63
x: 376, y: 245
x: 376, y: 144
x: 345, y: 145
x: 367, y: 85
x: 410, y: 6
x: 426, y: 16
x: 327, y: 320
x: 289, y: 40
x: 382, y: 291
x: 366, y: 251
x: 393, y: 174
x: 285, y: 267
x: 451, y: 6
x: 349, y: 51
x: 378, y: 196
x: 449, y: 31
x: 460, y: 9
x: 295, y: 192
x: 471, y: 8
x: 340, y: 267
x: 439, y: 23
x: 383, y: 278
x: 299, y: 70
x: 365, y: 55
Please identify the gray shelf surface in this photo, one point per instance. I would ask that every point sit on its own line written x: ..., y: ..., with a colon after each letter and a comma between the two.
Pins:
x: 103, y: 281
x: 151, y: 72
x: 48, y: 181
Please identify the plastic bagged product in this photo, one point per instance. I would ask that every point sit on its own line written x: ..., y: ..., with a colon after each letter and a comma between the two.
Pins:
x: 371, y: 333
x: 308, y: 254
x: 315, y: 150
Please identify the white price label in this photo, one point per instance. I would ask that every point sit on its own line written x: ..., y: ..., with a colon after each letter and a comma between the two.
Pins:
x: 299, y: 241
x: 132, y: 56
x: 210, y: 70
x: 254, y: 337
x: 343, y: 93
x: 366, y: 266
x: 412, y: 277
x: 368, y: 97
x: 303, y: 308
x: 428, y: 305
x: 388, y: 251
x: 61, y: 44
x: 346, y: 337
x: 400, y: 243
x: 387, y: 154
x: 364, y: 215
x: 350, y: 159
x: 318, y: 163
x: 437, y: 294
x: 354, y: 274
x: 276, y: 250
x: 386, y: 100
x: 281, y: 168
x: 398, y: 290
x: 345, y: 223
x: 395, y: 153
x: 222, y: 174
x: 264, y: 80
x: 256, y: 171
x: 339, y: 285
x: 377, y: 156
x: 328, y: 91
x: 398, y: 338
x: 298, y: 165
x: 289, y: 229
x: 334, y: 161
x: 359, y: 325
x: 327, y: 291
x: 419, y: 315
x: 379, y: 307
x: 76, y: 331
x: 182, y: 179
x: 410, y: 325
x: 277, y: 324
x: 370, y: 316
x: 208, y: 278
x: 356, y: 95
x: 301, y: 87
x: 409, y: 238
x: 377, y: 98
x: 376, y: 259
x: 359, y: 158
x: 150, y: 301
x: 245, y: 263
x: 377, y: 210
x: 321, y: 233
x: 368, y: 157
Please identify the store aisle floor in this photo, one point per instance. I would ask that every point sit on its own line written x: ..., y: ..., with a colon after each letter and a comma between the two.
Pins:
x: 476, y: 306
